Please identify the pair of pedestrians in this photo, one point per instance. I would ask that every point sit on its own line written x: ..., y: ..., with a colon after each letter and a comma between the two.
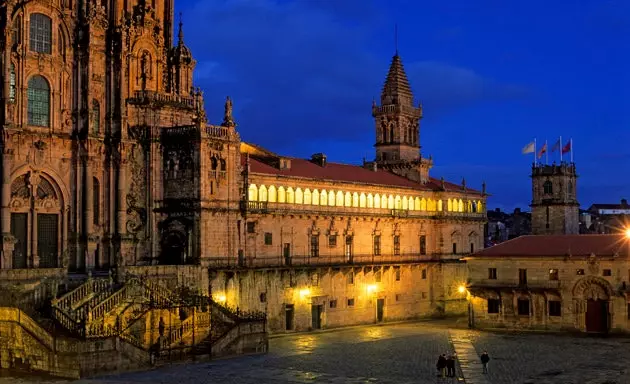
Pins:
x: 446, y: 365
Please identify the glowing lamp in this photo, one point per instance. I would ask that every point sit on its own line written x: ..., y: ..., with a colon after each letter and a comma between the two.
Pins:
x: 461, y: 289
x: 304, y: 292
x: 371, y: 288
x: 221, y: 298
x: 627, y: 233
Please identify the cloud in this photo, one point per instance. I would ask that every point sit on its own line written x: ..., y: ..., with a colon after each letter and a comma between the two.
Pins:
x: 306, y: 71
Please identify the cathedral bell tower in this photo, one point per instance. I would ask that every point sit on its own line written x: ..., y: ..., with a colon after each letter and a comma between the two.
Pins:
x: 555, y: 209
x: 398, y: 127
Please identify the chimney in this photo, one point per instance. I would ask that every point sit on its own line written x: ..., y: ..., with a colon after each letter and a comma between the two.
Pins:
x: 319, y: 159
x: 374, y: 166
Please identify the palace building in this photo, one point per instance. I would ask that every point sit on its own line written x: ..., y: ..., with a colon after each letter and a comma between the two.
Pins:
x: 120, y: 202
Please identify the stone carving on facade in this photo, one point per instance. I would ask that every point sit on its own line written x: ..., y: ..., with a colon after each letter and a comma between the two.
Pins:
x: 228, y: 119
x: 592, y: 288
x: 593, y: 264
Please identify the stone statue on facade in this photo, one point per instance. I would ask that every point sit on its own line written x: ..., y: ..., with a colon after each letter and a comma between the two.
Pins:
x: 228, y: 119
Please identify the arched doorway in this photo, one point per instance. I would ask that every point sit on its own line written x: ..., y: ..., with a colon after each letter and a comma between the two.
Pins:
x: 175, y: 243
x: 36, y: 221
x: 593, y: 296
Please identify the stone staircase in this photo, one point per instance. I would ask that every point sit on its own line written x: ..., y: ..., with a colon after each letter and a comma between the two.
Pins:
x: 101, y: 326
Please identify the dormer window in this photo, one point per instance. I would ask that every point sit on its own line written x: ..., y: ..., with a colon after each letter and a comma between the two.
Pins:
x: 548, y: 187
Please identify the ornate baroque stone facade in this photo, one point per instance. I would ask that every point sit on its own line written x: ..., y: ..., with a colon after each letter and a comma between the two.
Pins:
x: 109, y: 164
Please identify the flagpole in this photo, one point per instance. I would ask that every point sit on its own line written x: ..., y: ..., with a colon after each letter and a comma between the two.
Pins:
x: 571, y: 150
x: 535, y: 153
x: 561, y: 149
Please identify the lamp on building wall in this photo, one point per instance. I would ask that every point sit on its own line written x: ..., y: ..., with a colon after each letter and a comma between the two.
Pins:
x: 461, y: 289
x: 371, y: 289
x: 220, y: 298
x: 627, y: 233
x: 305, y: 293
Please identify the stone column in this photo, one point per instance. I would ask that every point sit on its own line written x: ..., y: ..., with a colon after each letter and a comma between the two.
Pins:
x: 6, y: 259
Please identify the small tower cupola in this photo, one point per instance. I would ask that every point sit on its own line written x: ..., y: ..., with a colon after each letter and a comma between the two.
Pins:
x: 182, y: 65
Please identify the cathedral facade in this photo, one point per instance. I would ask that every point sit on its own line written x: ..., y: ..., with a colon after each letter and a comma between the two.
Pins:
x: 109, y: 164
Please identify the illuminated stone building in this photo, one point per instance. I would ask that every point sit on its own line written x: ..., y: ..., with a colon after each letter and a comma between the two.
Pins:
x: 109, y: 168
x: 554, y: 282
x: 555, y: 209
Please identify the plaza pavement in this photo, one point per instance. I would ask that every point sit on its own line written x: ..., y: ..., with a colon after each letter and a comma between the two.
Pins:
x: 405, y: 353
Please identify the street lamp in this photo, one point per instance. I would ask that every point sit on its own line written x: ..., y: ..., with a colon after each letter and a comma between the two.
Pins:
x: 461, y: 289
x: 627, y: 233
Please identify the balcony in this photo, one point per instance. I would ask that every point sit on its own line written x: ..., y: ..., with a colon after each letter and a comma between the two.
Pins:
x: 158, y: 99
x: 288, y: 208
x: 320, y: 261
x: 255, y: 206
x: 514, y: 284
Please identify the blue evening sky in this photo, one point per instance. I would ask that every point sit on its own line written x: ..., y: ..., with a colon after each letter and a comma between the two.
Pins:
x: 492, y: 75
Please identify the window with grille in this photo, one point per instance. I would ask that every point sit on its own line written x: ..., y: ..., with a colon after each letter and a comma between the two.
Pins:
x: 396, y: 245
x: 40, y: 33
x: 377, y: 245
x: 268, y: 238
x: 492, y: 273
x: 314, y: 246
x: 38, y: 102
x: 548, y: 187
x: 332, y: 241
x: 397, y: 273
x: 12, y: 83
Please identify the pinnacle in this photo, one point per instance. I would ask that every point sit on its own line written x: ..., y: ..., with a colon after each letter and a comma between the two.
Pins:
x: 396, y: 89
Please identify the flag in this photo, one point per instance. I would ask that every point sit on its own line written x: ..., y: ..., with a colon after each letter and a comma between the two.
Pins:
x: 529, y: 148
x: 567, y: 147
x: 542, y: 151
x: 556, y: 146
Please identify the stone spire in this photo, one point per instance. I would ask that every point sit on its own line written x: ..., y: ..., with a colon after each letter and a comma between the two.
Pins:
x: 180, y: 34
x: 396, y: 89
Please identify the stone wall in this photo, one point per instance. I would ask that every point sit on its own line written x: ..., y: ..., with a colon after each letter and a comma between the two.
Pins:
x: 347, y: 295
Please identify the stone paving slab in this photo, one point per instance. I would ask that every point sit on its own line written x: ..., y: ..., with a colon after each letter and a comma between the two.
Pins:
x: 403, y: 354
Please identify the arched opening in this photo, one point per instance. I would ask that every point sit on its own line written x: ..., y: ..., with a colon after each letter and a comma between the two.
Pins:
x: 36, y: 221
x: 38, y: 102
x: 548, y: 187
x: 175, y: 243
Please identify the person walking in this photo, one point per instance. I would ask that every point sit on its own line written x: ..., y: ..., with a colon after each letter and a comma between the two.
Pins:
x: 441, y: 365
x: 450, y: 365
x: 485, y: 358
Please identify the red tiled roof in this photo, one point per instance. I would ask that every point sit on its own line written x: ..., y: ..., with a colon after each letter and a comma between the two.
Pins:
x: 349, y: 173
x: 559, y: 245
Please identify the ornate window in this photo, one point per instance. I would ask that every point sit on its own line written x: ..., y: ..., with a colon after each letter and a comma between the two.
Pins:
x: 41, y: 33
x: 38, y: 102
x: 12, y: 84
x: 548, y: 187
x: 96, y: 117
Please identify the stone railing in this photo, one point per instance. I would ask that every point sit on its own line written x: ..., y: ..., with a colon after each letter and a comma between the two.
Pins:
x: 159, y: 98
x: 68, y: 322
x: 264, y: 207
x: 322, y: 260
x: 72, y: 299
x: 218, y: 131
x: 108, y: 304
x: 19, y: 317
